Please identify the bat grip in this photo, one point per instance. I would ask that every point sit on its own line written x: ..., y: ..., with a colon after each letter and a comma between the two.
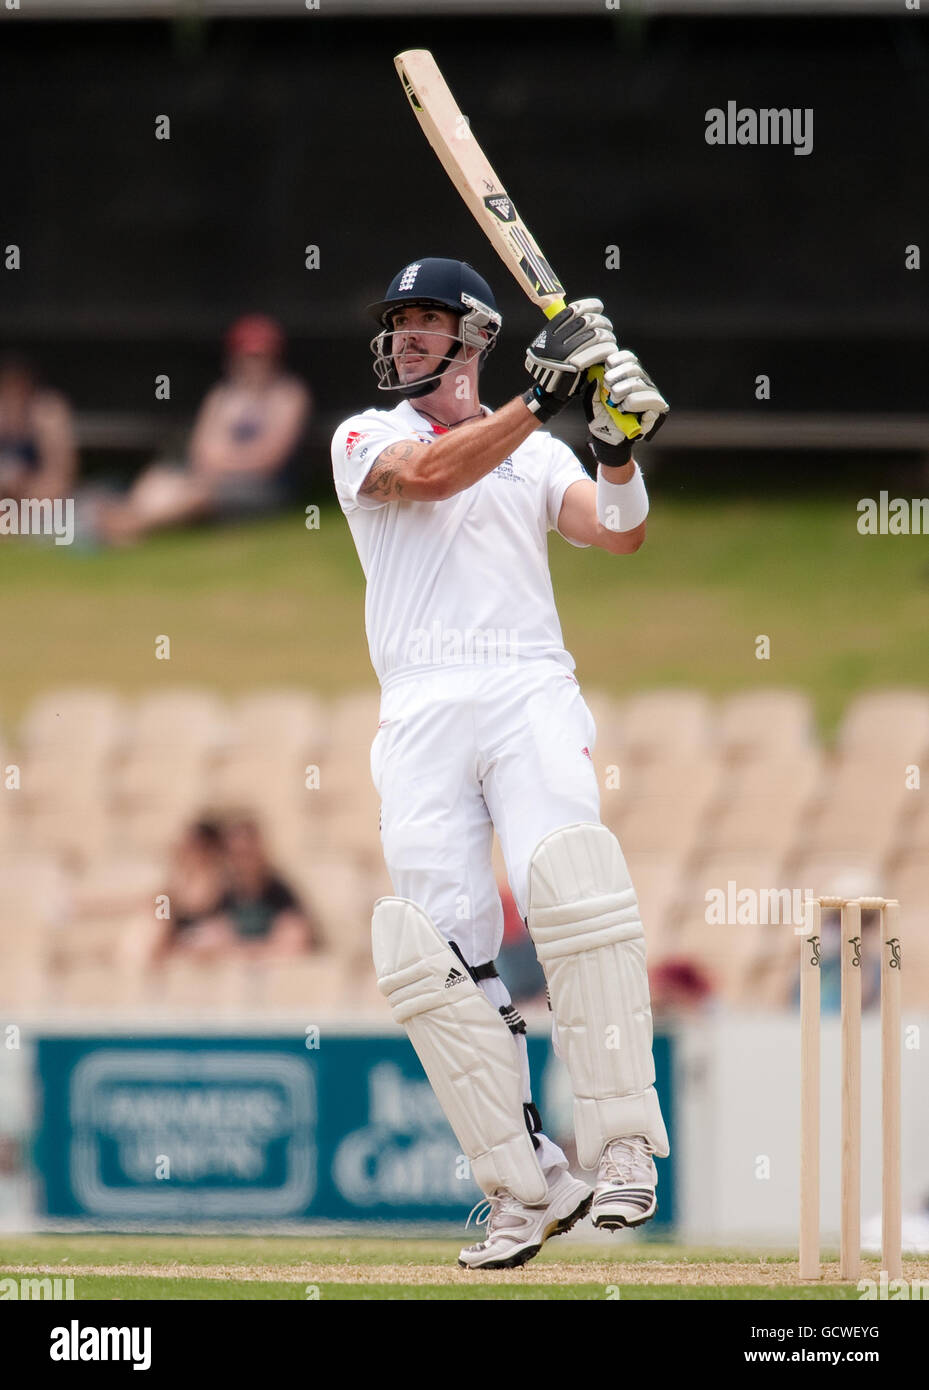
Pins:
x: 627, y: 423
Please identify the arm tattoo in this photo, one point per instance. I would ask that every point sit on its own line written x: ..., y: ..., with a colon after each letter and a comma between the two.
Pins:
x: 381, y: 481
x: 385, y: 474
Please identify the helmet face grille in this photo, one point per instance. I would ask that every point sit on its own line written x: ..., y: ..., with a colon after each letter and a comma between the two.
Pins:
x: 385, y: 368
x: 478, y: 326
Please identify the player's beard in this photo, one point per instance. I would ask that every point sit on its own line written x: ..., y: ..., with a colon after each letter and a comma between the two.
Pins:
x: 426, y: 368
x: 429, y: 377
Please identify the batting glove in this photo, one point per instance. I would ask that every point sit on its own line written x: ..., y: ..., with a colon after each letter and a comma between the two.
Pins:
x: 558, y: 358
x: 633, y: 392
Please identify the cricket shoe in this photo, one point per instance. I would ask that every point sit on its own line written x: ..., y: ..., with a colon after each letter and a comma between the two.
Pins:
x: 624, y: 1194
x: 516, y: 1232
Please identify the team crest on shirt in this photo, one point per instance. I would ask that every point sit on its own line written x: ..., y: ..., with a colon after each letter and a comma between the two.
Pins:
x: 508, y: 472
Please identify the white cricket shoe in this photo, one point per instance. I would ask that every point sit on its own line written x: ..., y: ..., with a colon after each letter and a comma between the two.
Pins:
x: 624, y: 1194
x: 516, y: 1232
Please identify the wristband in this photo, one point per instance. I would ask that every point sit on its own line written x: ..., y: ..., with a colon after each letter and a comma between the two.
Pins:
x: 621, y: 506
x: 541, y: 404
x: 610, y: 455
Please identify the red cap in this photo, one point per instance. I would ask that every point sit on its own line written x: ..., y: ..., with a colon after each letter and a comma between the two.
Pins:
x: 255, y: 333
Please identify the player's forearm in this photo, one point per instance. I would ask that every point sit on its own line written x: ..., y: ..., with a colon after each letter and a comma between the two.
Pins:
x: 466, y: 454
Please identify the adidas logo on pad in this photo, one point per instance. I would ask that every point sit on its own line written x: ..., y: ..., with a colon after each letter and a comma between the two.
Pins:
x: 454, y: 977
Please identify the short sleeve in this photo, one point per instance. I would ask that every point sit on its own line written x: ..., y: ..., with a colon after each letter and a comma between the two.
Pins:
x: 564, y: 469
x: 355, y: 446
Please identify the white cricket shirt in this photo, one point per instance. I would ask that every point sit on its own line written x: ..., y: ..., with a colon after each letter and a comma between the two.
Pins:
x: 465, y: 579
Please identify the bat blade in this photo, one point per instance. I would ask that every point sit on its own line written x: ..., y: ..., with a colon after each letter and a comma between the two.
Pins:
x: 449, y: 134
x: 469, y: 169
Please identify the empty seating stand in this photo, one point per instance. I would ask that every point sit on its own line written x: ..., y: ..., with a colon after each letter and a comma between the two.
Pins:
x: 708, y: 798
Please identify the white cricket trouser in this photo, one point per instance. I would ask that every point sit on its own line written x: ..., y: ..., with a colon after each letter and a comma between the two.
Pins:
x: 462, y: 751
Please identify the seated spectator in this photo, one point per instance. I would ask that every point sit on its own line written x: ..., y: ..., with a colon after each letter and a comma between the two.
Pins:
x: 38, y: 457
x: 830, y: 971
x: 678, y: 985
x: 241, y: 452
x: 517, y: 962
x: 262, y: 911
x: 196, y: 892
x: 226, y: 899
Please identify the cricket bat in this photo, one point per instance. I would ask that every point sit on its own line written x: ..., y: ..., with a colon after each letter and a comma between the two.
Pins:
x: 469, y: 169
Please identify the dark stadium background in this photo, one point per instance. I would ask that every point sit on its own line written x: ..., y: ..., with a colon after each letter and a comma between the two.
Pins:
x: 138, y: 253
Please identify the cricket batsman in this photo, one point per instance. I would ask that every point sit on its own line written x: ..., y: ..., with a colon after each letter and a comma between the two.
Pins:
x: 483, y: 726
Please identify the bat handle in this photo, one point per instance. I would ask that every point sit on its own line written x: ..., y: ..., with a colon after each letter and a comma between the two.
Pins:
x: 627, y: 423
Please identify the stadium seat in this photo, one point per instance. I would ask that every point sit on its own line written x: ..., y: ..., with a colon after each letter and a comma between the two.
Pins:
x: 182, y: 985
x: 886, y: 723
x: 35, y: 889
x: 63, y: 805
x: 353, y: 724
x: 656, y: 879
x: 24, y: 984
x: 762, y: 803
x: 155, y: 796
x: 339, y: 890
x: 114, y: 885
x: 750, y: 798
x: 319, y: 981
x: 736, y: 953
x: 351, y: 824
x: 607, y: 713
x: 837, y: 873
x: 862, y: 801
x: 664, y: 724
x: 909, y: 882
x: 271, y: 783
x: 663, y: 804
x: 912, y: 835
x: 178, y: 719
x: 766, y: 724
x: 286, y: 721
x: 73, y: 725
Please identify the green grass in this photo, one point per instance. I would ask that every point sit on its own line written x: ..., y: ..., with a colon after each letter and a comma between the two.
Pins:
x: 276, y: 603
x: 184, y: 1267
x: 121, y: 1287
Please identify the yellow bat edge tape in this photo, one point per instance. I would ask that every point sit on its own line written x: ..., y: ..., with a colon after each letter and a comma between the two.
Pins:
x: 627, y: 423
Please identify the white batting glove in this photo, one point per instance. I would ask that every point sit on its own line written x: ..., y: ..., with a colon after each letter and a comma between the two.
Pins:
x: 632, y: 390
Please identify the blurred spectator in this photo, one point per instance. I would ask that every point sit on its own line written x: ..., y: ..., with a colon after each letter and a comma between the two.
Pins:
x: 830, y: 972
x: 678, y: 985
x: 196, y: 891
x: 226, y: 898
x: 261, y: 908
x: 517, y: 962
x: 242, y: 450
x: 38, y: 457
